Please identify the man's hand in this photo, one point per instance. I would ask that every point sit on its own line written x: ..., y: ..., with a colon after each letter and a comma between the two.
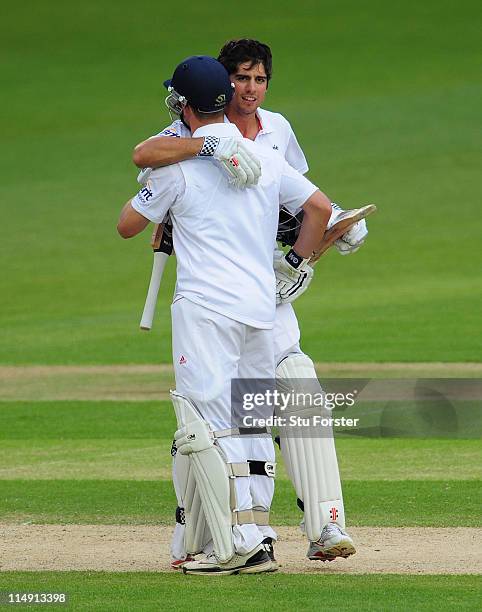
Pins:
x: 293, y: 276
x: 242, y: 166
x: 353, y: 239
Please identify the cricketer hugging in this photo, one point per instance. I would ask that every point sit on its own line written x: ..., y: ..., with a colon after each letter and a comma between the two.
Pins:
x: 217, y: 178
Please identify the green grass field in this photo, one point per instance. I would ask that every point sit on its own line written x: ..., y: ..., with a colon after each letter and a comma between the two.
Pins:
x: 108, y: 463
x: 100, y: 591
x: 385, y: 100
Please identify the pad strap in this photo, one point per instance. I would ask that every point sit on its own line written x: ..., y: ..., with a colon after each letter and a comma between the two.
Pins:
x: 252, y: 467
x: 262, y: 468
x: 239, y: 517
x: 240, y: 470
x: 180, y: 516
x: 244, y: 517
x: 242, y: 431
x: 261, y: 517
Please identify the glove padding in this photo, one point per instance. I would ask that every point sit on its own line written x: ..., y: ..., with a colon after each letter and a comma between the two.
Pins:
x: 241, y: 164
x: 353, y: 239
x: 293, y: 276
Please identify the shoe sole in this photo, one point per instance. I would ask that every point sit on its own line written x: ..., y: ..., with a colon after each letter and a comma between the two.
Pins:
x: 252, y: 569
x: 342, y: 549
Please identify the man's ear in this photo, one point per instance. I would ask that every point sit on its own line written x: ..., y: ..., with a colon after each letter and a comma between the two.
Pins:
x: 187, y: 114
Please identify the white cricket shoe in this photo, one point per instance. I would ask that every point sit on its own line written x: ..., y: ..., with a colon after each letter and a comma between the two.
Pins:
x: 333, y: 543
x: 255, y: 562
x: 176, y: 564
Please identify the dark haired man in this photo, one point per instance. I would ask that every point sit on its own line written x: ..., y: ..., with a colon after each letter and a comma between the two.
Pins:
x: 249, y: 64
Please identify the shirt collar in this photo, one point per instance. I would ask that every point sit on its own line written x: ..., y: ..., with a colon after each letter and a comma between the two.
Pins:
x: 266, y: 125
x: 222, y: 130
x: 263, y: 117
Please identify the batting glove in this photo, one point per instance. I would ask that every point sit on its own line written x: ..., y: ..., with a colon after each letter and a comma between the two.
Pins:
x: 293, y: 276
x: 242, y: 166
x: 353, y: 239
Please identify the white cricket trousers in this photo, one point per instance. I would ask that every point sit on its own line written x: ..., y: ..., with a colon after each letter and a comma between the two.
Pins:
x: 209, y: 350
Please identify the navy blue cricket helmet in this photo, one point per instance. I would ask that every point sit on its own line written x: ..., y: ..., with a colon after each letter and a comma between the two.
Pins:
x: 202, y: 82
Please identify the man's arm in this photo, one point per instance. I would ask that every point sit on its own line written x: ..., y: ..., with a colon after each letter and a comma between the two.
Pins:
x: 317, y: 212
x: 131, y: 222
x: 293, y: 272
x: 162, y: 151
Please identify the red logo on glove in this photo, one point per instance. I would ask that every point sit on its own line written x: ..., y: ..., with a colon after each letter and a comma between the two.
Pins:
x: 234, y: 162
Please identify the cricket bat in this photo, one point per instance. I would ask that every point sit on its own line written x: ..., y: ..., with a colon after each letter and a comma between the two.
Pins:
x: 345, y: 221
x: 161, y: 243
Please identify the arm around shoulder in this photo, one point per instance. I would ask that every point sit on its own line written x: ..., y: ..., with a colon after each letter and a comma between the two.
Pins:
x: 164, y: 151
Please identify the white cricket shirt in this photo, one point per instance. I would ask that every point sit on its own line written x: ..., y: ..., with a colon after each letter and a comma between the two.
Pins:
x: 223, y: 237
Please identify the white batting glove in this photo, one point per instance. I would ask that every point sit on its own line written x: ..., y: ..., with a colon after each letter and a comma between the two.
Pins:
x: 143, y: 175
x: 194, y: 437
x: 242, y: 166
x: 353, y: 239
x: 293, y: 276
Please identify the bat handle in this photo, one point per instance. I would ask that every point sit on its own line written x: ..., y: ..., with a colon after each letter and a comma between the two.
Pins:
x: 158, y: 265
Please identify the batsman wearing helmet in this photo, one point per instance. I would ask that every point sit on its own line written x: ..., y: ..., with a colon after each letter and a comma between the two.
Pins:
x: 222, y: 315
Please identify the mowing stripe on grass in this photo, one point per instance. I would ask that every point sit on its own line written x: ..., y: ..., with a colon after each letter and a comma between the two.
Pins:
x: 54, y: 420
x: 150, y: 591
x: 109, y: 419
x: 150, y: 459
x: 371, y: 503
x: 152, y: 382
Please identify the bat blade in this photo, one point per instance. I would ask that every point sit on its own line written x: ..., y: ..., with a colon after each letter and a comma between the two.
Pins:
x: 345, y: 221
x: 161, y: 242
x: 158, y: 265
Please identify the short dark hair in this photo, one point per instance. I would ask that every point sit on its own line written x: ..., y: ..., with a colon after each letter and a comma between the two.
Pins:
x: 242, y: 50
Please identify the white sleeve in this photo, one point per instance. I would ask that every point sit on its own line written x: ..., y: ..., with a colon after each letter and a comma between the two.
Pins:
x: 176, y: 130
x: 164, y: 188
x: 294, y: 154
x: 295, y: 189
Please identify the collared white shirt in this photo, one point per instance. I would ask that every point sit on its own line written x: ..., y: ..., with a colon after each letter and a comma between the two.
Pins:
x: 223, y: 237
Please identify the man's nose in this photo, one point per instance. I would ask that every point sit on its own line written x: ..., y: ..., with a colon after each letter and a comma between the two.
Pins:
x: 251, y: 85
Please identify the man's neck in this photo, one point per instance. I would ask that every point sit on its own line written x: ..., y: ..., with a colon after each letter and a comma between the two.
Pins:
x: 195, y: 123
x: 248, y: 125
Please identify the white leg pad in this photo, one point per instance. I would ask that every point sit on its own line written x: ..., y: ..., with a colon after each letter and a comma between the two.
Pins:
x: 310, y: 460
x: 196, y: 534
x: 208, y: 474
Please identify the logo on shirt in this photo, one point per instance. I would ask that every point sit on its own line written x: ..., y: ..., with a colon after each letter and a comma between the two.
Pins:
x: 170, y: 132
x: 183, y: 360
x: 275, y: 147
x: 145, y: 194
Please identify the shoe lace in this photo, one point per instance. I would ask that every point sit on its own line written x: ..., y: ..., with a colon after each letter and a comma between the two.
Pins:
x: 331, y: 529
